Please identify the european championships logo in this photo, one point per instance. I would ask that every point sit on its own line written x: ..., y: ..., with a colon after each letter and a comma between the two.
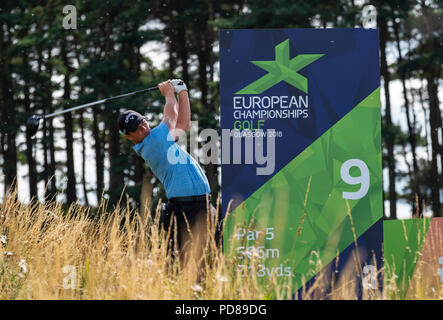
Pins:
x: 281, y: 69
x: 250, y: 113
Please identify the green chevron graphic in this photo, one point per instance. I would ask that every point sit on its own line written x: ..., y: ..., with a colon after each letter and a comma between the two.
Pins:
x: 303, y: 203
x: 282, y: 69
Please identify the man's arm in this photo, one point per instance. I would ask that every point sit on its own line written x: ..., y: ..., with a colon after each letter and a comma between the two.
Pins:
x: 184, y: 112
x: 170, y: 113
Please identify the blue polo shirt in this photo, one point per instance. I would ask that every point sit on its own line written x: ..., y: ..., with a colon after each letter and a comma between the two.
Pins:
x: 179, y: 173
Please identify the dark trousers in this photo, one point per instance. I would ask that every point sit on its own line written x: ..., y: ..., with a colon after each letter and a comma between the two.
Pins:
x: 193, y: 228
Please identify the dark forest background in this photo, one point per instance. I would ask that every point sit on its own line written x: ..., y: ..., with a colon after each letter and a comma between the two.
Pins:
x: 116, y: 48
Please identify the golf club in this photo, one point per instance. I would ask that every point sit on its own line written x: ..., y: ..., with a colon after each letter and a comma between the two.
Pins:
x: 34, y: 121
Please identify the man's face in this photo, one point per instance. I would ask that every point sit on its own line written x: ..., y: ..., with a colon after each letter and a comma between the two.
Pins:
x: 138, y: 135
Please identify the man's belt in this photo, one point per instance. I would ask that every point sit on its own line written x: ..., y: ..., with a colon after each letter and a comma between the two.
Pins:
x: 191, y: 198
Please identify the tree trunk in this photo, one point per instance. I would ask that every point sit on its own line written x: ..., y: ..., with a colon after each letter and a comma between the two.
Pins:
x: 182, y: 47
x: 432, y: 89
x: 71, y: 194
x: 82, y: 130
x: 212, y: 172
x: 425, y: 118
x: 48, y: 138
x: 171, y: 40
x: 8, y: 116
x: 146, y: 195
x: 388, y: 119
x: 116, y: 180
x: 32, y: 174
x: 139, y: 169
x: 432, y: 77
x: 411, y: 132
x: 202, y: 74
x: 99, y: 156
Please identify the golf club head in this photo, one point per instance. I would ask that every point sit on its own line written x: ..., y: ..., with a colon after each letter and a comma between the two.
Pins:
x: 32, y: 125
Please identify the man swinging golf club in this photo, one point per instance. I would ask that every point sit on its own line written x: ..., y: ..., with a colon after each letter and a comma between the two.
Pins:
x: 186, y: 185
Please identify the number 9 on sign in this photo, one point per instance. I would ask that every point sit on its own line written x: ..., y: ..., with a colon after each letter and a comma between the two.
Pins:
x: 362, y: 179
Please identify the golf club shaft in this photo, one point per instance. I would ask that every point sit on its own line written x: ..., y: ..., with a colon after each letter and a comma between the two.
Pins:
x: 97, y: 102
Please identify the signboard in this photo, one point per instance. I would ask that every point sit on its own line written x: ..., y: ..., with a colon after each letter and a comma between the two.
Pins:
x: 301, y: 155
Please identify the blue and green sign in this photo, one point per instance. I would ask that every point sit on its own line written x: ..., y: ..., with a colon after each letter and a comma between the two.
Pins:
x: 301, y: 152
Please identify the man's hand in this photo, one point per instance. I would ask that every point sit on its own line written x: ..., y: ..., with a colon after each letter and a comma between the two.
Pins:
x: 166, y: 88
x: 178, y: 85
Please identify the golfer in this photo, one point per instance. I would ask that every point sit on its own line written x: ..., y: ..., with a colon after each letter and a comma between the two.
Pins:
x: 186, y: 185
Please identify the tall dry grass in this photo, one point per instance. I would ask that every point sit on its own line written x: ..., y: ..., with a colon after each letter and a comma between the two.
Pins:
x: 51, y: 252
